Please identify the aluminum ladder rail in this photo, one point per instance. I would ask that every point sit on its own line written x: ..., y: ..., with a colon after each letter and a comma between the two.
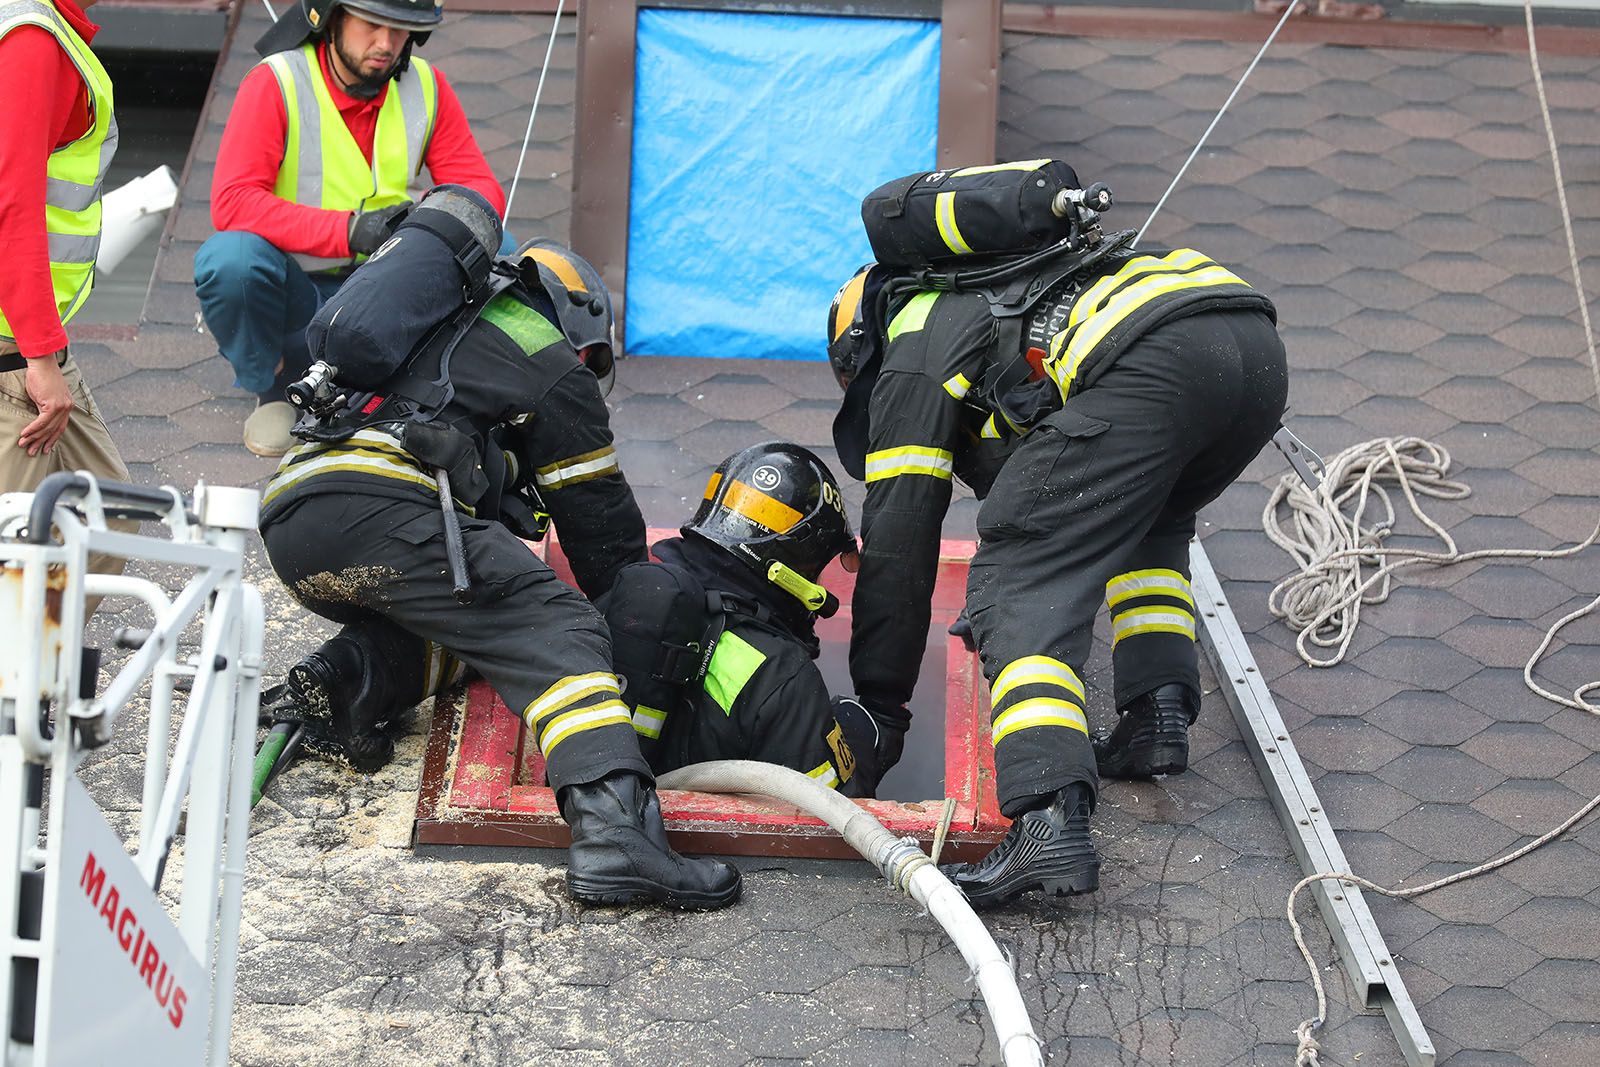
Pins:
x: 1367, y: 961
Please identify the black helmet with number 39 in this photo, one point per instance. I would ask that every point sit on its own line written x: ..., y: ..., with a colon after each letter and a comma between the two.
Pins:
x: 775, y: 505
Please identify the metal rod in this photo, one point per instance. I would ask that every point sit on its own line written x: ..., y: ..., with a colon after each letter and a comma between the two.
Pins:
x: 455, y: 551
x: 1223, y: 111
x: 1366, y: 958
x: 549, y: 50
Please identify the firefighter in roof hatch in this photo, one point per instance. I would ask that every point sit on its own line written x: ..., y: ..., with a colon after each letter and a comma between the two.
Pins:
x: 715, y: 641
x: 1095, y: 398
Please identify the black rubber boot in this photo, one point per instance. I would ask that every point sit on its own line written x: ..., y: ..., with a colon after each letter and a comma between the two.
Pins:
x: 342, y: 697
x: 620, y: 852
x: 1049, y: 849
x: 1152, y: 735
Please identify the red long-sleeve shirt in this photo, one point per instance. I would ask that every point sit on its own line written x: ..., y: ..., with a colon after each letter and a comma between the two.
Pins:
x: 253, y: 145
x: 33, y: 67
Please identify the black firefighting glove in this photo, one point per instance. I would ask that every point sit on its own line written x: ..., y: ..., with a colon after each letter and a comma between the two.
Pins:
x: 962, y: 628
x: 877, y: 735
x: 369, y: 229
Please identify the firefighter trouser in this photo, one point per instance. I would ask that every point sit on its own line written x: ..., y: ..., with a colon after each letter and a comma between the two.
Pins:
x: 534, y: 638
x: 413, y: 669
x: 1100, y: 502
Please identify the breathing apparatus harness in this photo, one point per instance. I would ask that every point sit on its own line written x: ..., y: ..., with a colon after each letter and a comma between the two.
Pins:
x: 1014, y: 284
x: 369, y: 389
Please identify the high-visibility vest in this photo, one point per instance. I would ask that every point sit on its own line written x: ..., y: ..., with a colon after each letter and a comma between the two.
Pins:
x: 322, y: 165
x: 75, y: 171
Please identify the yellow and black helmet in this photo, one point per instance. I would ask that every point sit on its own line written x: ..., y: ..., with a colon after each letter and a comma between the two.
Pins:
x: 775, y: 504
x: 582, y: 304
x: 852, y: 336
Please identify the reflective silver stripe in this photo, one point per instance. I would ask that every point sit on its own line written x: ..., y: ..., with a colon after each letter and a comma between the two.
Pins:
x: 308, y: 164
x: 825, y: 774
x: 70, y: 196
x: 570, y: 690
x: 414, y: 109
x: 546, y: 478
x: 647, y: 722
x: 1137, y: 621
x: 958, y: 386
x: 558, y: 729
x: 909, y: 459
x: 71, y: 248
x: 1156, y: 582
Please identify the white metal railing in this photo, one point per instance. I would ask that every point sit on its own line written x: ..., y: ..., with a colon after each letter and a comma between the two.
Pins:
x: 95, y: 969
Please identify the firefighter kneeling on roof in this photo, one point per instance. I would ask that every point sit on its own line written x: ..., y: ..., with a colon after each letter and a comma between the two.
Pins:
x: 1095, y: 398
x: 448, y: 375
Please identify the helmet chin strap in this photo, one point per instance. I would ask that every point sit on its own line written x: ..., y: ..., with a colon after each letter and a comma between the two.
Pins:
x: 809, y: 593
x: 360, y: 88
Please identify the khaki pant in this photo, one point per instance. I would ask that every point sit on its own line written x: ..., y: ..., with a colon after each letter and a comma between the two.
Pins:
x: 86, y: 445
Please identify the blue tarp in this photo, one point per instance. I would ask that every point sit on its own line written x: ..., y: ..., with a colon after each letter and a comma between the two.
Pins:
x: 754, y: 139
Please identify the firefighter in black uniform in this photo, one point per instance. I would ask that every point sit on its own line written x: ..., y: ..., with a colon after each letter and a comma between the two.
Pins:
x: 715, y: 642
x: 353, y: 526
x: 1136, y: 389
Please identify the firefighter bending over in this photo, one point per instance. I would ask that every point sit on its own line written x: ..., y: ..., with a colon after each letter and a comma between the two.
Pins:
x: 715, y: 642
x: 1095, y: 398
x: 497, y: 411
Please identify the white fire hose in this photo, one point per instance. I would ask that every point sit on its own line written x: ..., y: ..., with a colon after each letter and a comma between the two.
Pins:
x: 906, y: 867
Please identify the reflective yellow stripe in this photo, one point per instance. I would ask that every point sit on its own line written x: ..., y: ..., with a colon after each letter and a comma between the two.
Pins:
x: 1089, y: 302
x: 1035, y: 670
x: 351, y: 462
x: 712, y: 483
x: 611, y: 713
x: 1024, y: 164
x: 575, y: 469
x: 909, y: 459
x: 848, y: 300
x: 958, y: 387
x: 647, y: 722
x: 825, y: 774
x: 914, y: 316
x: 759, y: 508
x: 560, y: 266
x: 944, y: 213
x: 1040, y: 711
x: 1158, y: 582
x: 1137, y: 621
x: 991, y: 429
x: 1063, y: 367
x: 569, y: 690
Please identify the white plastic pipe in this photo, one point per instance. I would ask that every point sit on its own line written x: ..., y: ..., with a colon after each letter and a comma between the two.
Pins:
x: 131, y: 213
x: 904, y: 864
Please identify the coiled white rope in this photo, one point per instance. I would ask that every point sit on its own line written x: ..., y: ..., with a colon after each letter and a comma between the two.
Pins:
x: 1343, y: 564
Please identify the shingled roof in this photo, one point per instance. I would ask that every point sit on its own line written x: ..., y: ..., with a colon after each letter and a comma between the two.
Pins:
x: 1398, y: 207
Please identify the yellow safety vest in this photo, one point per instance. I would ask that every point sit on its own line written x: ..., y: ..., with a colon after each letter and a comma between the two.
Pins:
x: 75, y: 171
x: 322, y: 165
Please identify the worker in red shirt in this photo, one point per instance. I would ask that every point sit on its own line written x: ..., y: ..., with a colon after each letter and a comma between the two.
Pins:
x: 54, y: 152
x: 325, y: 138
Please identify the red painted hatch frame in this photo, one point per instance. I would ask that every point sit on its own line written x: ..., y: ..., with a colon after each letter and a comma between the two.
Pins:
x: 480, y: 777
